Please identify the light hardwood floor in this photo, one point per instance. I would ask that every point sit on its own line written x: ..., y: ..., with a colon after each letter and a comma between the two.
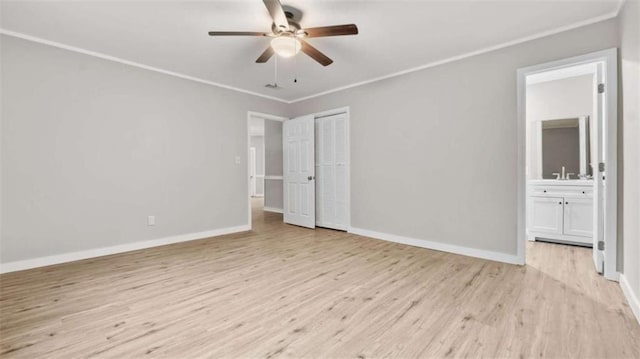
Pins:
x: 283, y: 291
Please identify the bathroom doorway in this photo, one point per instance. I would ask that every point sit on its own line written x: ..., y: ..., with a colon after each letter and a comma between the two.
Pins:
x: 567, y: 141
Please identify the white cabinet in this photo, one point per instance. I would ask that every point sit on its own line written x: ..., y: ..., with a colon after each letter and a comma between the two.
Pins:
x: 578, y: 216
x: 560, y: 211
x: 546, y: 214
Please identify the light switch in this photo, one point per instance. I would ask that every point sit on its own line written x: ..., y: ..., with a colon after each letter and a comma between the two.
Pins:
x: 151, y: 221
x: 237, y: 160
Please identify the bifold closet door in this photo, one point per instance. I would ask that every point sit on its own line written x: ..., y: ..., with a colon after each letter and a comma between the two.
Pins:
x: 331, y: 172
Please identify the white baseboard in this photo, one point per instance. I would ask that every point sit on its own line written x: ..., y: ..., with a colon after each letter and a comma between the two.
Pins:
x: 632, y: 298
x: 98, y: 252
x: 439, y: 246
x: 272, y: 209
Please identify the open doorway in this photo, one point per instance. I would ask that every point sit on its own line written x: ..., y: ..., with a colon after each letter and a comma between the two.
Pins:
x: 567, y: 117
x: 264, y: 163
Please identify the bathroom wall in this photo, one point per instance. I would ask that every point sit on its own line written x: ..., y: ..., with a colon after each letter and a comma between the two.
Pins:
x: 558, y: 99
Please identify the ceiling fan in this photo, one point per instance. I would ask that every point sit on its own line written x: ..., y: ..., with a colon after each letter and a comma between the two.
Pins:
x: 288, y: 37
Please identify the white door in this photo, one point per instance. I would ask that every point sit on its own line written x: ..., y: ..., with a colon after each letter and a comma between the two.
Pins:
x: 578, y: 216
x: 546, y: 215
x: 252, y: 170
x: 331, y: 171
x: 299, y: 171
x: 598, y: 183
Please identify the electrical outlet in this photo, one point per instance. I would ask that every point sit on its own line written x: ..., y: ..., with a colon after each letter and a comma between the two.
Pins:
x: 151, y: 220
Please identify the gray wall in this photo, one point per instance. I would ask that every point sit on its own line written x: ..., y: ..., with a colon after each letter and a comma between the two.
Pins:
x: 91, y: 147
x: 273, y: 147
x: 435, y: 152
x: 559, y: 99
x: 630, y: 68
x: 273, y: 196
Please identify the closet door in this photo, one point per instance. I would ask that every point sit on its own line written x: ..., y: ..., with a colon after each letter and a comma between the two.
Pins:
x: 331, y: 172
x: 299, y: 177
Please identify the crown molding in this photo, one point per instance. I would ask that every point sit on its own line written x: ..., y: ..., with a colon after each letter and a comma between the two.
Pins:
x: 471, y: 54
x: 133, y: 63
x: 484, y: 50
x: 620, y: 5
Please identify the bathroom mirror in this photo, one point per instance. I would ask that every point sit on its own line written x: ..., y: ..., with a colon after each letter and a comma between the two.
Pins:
x: 565, y: 142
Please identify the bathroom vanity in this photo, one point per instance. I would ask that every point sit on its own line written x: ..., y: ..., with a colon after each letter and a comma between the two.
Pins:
x: 560, y: 210
x: 560, y: 206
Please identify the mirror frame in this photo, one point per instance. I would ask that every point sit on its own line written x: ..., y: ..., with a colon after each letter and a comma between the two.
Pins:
x: 583, y: 126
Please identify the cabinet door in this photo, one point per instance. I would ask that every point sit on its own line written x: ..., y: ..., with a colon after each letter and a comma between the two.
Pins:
x: 578, y: 216
x: 545, y: 214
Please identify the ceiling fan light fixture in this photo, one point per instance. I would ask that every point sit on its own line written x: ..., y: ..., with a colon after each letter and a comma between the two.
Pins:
x: 286, y: 46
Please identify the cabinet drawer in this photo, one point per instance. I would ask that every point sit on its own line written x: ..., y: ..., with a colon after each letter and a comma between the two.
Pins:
x: 561, y: 191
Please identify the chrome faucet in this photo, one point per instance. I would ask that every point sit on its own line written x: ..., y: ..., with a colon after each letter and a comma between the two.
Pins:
x: 563, y: 176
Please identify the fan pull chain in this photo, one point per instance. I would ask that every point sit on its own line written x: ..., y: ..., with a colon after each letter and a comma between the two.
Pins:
x: 295, y: 61
x: 275, y: 76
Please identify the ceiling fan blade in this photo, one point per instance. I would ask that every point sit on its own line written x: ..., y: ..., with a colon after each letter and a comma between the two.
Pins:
x: 315, y: 54
x: 266, y: 55
x: 277, y: 14
x: 336, y: 30
x: 237, y: 33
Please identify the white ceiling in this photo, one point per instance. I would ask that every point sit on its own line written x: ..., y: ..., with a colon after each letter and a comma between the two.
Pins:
x: 394, y: 35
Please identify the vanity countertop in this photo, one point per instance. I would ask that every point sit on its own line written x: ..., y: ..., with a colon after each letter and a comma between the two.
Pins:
x: 554, y: 182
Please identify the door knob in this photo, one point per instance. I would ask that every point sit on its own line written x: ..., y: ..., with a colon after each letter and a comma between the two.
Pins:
x: 310, y: 178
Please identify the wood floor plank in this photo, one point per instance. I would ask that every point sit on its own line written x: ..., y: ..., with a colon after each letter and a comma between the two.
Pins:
x: 284, y: 291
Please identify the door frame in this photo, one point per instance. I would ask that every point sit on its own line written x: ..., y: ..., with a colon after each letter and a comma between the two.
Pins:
x: 250, y: 115
x: 610, y: 59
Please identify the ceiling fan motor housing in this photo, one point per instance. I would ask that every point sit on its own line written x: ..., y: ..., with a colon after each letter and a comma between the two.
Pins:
x: 293, y: 18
